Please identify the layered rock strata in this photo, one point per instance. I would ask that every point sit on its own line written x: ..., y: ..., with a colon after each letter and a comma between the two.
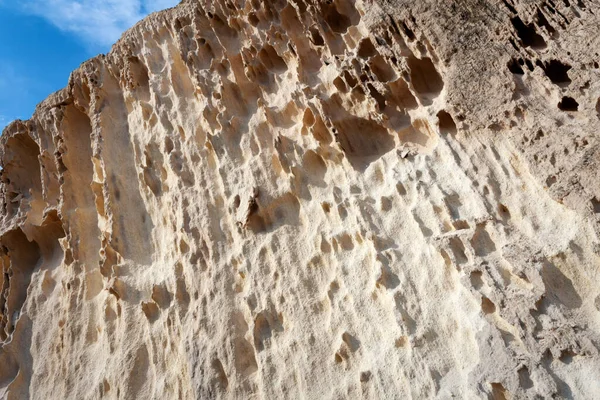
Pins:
x: 312, y: 199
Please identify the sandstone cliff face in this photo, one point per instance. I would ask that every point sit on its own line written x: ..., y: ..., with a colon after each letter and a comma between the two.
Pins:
x: 312, y: 199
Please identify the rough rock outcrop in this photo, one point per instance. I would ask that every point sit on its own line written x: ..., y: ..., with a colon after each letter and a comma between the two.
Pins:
x: 312, y: 199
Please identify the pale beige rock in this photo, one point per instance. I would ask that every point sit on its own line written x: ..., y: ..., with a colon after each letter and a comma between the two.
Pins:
x: 305, y: 199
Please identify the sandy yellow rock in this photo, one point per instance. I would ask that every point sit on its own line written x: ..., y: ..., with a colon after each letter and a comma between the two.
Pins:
x: 312, y: 199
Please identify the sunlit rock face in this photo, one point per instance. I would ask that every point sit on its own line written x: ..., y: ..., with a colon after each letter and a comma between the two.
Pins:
x: 312, y: 199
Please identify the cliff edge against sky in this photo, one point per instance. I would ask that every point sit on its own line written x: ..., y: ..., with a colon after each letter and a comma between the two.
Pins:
x: 312, y: 199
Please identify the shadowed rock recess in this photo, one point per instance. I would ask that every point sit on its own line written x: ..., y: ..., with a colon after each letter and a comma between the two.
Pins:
x: 312, y: 199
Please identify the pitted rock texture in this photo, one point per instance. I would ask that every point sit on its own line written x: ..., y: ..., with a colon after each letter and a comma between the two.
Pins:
x: 312, y: 199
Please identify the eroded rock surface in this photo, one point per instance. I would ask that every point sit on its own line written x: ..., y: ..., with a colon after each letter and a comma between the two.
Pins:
x: 312, y: 199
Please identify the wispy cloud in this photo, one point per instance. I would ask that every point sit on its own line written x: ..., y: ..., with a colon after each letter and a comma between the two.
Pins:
x: 97, y: 22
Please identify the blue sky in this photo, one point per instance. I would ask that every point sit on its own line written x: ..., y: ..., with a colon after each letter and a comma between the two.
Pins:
x: 42, y: 41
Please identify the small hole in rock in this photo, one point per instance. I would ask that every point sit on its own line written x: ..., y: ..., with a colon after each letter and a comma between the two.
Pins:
x: 542, y: 21
x: 425, y: 79
x: 476, y: 279
x: 340, y: 85
x: 528, y: 34
x: 503, y: 210
x: 377, y: 96
x: 487, y: 306
x: 529, y: 65
x: 365, y: 376
x: 551, y: 180
x: 382, y: 69
x: 317, y: 39
x: 309, y: 118
x: 366, y: 49
x: 409, y: 33
x: 350, y: 80
x: 514, y: 67
x: 596, y: 205
x: 556, y: 71
x: 253, y: 19
x: 446, y: 122
x: 525, y: 378
x: 460, y: 225
x: 568, y: 104
x: 339, y: 23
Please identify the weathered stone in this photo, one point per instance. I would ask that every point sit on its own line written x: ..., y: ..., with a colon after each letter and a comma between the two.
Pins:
x: 312, y: 199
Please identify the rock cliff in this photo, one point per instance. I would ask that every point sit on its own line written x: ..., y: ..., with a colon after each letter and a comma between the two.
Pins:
x: 312, y: 199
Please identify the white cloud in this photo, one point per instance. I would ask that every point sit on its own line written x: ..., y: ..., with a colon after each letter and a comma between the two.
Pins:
x: 96, y: 22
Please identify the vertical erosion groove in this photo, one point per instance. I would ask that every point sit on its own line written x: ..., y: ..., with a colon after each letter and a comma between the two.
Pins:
x: 311, y: 199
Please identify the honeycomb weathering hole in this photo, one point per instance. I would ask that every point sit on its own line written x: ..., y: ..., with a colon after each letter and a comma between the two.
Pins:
x: 528, y: 34
x: 363, y: 141
x: 338, y: 22
x: 515, y: 67
x: 568, y: 104
x: 283, y: 195
x: 425, y: 79
x: 366, y: 48
x: 557, y: 72
x: 446, y: 123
